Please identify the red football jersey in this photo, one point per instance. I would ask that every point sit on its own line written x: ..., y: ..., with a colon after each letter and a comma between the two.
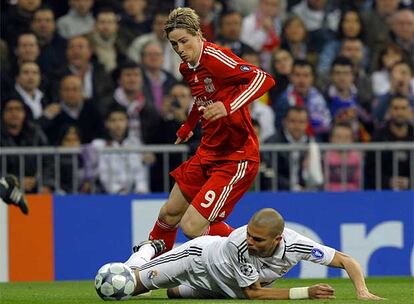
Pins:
x: 220, y: 75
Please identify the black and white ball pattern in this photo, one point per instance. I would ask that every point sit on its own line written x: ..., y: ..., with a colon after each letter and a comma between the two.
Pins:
x: 246, y: 269
x: 115, y: 281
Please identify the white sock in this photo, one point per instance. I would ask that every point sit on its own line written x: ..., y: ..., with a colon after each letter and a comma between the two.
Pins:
x: 143, y: 256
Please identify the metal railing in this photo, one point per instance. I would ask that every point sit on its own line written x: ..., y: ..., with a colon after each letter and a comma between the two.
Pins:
x: 377, y: 149
x: 49, y: 160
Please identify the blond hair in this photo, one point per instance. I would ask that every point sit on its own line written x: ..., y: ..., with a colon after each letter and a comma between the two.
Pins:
x: 183, y: 18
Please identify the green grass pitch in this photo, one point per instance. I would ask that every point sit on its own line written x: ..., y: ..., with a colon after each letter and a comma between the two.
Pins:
x: 397, y: 290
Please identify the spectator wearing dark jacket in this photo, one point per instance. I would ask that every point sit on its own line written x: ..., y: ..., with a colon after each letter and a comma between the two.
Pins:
x: 400, y: 84
x: 72, y: 167
x: 290, y: 165
x: 19, y: 131
x: 302, y: 92
x: 174, y: 113
x: 108, y: 42
x: 395, y: 165
x: 230, y: 31
x: 156, y: 78
x: 282, y: 63
x: 27, y: 86
x: 75, y: 110
x: 26, y: 49
x: 17, y: 19
x: 96, y: 83
x: 52, y: 45
x: 135, y: 97
x: 135, y: 19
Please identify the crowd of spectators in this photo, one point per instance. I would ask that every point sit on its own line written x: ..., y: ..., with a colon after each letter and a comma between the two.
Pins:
x: 101, y: 73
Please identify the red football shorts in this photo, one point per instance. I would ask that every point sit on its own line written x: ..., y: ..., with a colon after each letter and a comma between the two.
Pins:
x: 214, y: 188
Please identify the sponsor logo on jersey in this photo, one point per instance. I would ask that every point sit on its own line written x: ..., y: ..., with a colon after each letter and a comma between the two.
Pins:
x: 208, y: 84
x: 244, y: 68
x: 223, y: 214
x: 317, y: 253
x: 152, y: 274
x: 203, y: 102
x: 264, y: 266
x: 246, y: 269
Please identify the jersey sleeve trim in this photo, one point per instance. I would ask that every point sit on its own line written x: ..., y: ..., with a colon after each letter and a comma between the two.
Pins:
x: 298, y: 247
x: 251, y: 81
x: 251, y: 91
x: 219, y: 55
x: 241, y: 249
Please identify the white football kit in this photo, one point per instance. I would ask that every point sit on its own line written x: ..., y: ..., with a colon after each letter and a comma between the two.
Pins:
x: 219, y: 267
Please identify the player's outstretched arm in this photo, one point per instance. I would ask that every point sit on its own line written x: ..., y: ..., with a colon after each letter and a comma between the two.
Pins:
x: 318, y: 291
x: 183, y: 135
x: 185, y: 132
x: 352, y: 267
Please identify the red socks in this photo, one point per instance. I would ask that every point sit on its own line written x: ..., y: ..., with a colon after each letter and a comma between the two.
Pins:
x: 219, y: 228
x: 163, y: 231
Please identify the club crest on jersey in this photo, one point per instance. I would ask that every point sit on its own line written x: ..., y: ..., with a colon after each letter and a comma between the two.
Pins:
x: 152, y: 274
x: 244, y: 68
x: 208, y: 84
x: 317, y: 253
x: 284, y: 270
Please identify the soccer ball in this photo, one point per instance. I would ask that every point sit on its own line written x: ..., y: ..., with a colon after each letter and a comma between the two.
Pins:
x: 115, y: 281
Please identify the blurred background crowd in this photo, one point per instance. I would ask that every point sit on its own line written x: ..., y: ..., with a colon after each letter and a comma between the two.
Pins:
x: 100, y: 73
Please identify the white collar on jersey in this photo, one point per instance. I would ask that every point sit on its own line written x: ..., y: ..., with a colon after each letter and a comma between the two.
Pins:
x: 280, y: 250
x: 193, y: 67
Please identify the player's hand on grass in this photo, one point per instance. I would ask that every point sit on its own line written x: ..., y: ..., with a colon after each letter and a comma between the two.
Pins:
x: 215, y: 111
x: 321, y: 291
x: 366, y: 295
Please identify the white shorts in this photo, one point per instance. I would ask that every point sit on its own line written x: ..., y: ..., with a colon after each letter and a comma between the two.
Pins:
x: 184, y: 266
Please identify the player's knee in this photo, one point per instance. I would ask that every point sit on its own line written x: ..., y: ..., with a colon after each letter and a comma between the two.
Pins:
x: 170, y: 213
x: 191, y: 229
x: 175, y: 206
x: 193, y: 224
x: 190, y: 234
x: 173, y: 293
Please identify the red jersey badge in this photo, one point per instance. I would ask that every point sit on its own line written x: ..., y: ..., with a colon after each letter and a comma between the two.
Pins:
x: 208, y: 84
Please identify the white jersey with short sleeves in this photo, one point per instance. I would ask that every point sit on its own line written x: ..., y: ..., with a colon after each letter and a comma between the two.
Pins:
x: 219, y: 267
x: 232, y: 267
